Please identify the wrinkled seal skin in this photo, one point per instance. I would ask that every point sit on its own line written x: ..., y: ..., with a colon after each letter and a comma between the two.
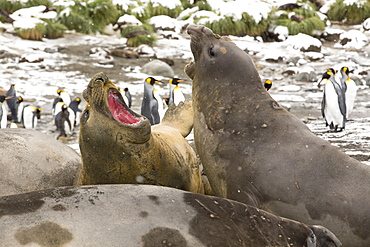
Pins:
x: 115, y: 152
x: 145, y: 215
x: 256, y: 152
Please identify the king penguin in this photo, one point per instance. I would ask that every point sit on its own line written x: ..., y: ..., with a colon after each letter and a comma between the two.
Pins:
x: 3, y: 113
x: 333, y: 105
x: 151, y: 102
x: 176, y: 95
x: 64, y: 95
x: 63, y: 122
x: 267, y: 84
x: 127, y: 97
x: 30, y: 115
x: 12, y: 102
x: 350, y: 89
x: 20, y: 106
x: 77, y: 111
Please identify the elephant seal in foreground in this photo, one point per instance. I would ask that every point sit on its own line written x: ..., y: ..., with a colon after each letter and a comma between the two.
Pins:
x: 31, y: 160
x: 145, y: 215
x: 256, y: 152
x: 120, y: 146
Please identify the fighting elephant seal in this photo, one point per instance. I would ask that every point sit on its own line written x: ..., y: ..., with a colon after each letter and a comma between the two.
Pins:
x: 120, y: 146
x: 145, y: 215
x: 31, y: 160
x: 256, y: 152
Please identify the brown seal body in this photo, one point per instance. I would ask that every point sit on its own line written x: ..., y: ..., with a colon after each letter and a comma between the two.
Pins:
x: 256, y: 152
x: 145, y: 215
x: 119, y: 146
x: 31, y: 160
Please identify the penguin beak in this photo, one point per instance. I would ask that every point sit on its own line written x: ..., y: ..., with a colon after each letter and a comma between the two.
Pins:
x: 157, y: 81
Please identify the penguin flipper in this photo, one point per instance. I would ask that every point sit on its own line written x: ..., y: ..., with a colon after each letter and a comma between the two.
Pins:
x: 180, y: 117
x: 323, y: 106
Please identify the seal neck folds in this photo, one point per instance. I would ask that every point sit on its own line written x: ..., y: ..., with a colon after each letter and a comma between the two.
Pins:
x: 119, y: 111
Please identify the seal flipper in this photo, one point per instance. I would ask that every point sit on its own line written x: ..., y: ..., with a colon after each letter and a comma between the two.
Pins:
x: 180, y: 117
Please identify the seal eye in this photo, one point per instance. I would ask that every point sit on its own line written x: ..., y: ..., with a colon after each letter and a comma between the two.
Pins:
x: 211, y: 53
x: 85, y: 116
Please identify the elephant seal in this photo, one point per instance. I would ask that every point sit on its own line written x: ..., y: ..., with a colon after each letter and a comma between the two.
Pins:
x: 145, y: 215
x: 120, y: 146
x: 256, y: 152
x: 31, y: 160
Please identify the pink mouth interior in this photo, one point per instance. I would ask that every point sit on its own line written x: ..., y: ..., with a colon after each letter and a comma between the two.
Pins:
x: 119, y: 111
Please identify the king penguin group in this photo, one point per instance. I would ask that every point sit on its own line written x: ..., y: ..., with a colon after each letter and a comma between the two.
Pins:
x: 153, y: 106
x: 338, y: 98
x: 21, y: 115
x: 66, y: 112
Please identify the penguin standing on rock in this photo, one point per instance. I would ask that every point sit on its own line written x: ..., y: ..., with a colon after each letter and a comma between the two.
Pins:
x: 151, y: 102
x: 333, y: 106
x: 30, y: 115
x: 176, y: 95
x: 12, y: 103
x: 350, y: 89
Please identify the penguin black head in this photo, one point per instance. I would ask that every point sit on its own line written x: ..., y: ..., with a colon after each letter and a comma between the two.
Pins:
x: 12, y: 86
x: 175, y: 81
x: 78, y: 99
x: 125, y: 89
x: 325, y: 76
x: 2, y: 98
x: 345, y: 70
x: 151, y: 80
x: 59, y: 91
x: 268, y: 84
x: 38, y: 112
x: 64, y: 107
x: 19, y: 99
x: 333, y: 71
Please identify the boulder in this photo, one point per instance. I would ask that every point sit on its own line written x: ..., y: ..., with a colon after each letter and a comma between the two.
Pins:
x: 31, y: 160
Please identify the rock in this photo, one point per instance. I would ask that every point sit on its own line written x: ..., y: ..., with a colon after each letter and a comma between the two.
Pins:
x: 331, y: 34
x: 352, y: 39
x: 306, y: 74
x: 366, y: 25
x: 124, y: 53
x: 158, y: 68
x: 31, y: 160
x: 145, y: 50
x: 314, y: 56
x: 135, y: 33
x: 31, y: 58
x: 303, y: 42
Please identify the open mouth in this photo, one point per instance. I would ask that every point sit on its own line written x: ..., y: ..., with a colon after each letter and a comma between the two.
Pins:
x: 119, y: 110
